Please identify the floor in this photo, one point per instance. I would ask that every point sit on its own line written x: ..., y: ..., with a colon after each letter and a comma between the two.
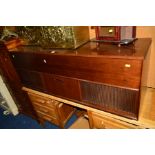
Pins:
x: 81, y: 123
x: 24, y: 122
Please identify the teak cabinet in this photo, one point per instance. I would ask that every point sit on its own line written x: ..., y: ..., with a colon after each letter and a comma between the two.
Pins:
x: 100, y: 75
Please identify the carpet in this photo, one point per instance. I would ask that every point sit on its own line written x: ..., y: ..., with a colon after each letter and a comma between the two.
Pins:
x: 22, y: 121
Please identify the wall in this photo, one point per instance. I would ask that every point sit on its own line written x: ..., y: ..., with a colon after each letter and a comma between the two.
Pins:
x: 7, y: 96
x: 144, y: 32
x: 149, y: 31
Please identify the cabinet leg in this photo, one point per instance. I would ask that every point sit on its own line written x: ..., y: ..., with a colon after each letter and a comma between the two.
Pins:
x: 42, y: 123
x: 62, y: 126
x: 90, y: 119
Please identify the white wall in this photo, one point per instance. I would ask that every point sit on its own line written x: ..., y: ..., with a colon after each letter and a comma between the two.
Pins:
x: 6, y: 95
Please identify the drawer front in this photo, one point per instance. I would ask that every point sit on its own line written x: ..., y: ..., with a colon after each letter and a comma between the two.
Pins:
x: 106, y: 31
x: 101, y: 122
x: 45, y: 110
x: 42, y: 100
x: 47, y: 117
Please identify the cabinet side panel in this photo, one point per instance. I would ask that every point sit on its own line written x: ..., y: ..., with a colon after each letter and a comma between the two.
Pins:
x: 145, y: 71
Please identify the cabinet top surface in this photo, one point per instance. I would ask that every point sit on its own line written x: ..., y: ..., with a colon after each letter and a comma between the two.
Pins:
x: 137, y: 50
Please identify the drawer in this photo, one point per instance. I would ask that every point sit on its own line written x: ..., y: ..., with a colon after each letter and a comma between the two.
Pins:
x: 101, y: 122
x: 51, y: 110
x: 47, y: 117
x: 42, y: 100
x: 45, y: 110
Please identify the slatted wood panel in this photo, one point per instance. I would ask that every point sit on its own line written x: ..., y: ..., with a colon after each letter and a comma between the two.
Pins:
x: 113, y: 99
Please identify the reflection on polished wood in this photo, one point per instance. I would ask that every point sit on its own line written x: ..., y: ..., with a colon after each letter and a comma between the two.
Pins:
x: 146, y: 113
x: 94, y: 49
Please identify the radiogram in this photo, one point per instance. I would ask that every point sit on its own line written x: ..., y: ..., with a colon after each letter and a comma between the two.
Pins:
x: 100, y: 75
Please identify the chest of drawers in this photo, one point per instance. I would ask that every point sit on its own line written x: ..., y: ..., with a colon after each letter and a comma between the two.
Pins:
x: 51, y: 110
x: 102, y: 122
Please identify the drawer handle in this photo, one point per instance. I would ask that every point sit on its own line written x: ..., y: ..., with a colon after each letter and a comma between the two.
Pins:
x: 127, y: 65
x: 110, y: 30
x: 49, y: 102
x: 43, y: 110
x: 40, y: 112
x: 41, y: 101
x: 103, y: 125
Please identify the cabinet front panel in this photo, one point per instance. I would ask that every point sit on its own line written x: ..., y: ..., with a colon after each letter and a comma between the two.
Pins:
x: 46, y: 110
x: 62, y: 86
x: 47, y: 117
x: 114, y: 71
x: 31, y: 79
x: 43, y: 101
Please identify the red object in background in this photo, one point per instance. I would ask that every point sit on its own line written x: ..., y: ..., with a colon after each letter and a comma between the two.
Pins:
x: 115, y: 33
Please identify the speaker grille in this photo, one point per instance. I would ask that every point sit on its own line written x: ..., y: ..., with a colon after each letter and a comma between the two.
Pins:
x: 110, y: 98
